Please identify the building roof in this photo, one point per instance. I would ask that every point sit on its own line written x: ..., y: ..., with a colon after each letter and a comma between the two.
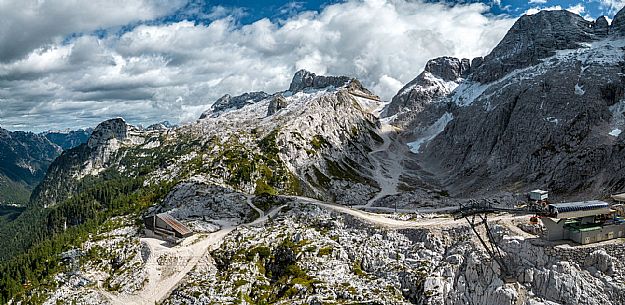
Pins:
x: 175, y: 224
x: 579, y: 206
x: 539, y: 192
x: 579, y: 209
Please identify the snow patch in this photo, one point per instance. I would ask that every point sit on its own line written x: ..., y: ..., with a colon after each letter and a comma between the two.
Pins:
x: 618, y: 118
x: 435, y: 82
x: 552, y: 120
x: 579, y: 90
x: 431, y: 132
x: 467, y: 92
x: 615, y: 132
x: 374, y: 107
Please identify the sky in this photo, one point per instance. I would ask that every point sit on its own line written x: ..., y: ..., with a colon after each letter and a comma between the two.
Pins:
x: 72, y: 64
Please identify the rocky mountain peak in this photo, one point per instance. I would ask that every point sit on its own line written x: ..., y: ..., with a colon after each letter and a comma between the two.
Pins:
x: 439, y: 78
x: 237, y: 102
x: 107, y: 130
x: 277, y: 102
x: 601, y: 26
x: 4, y: 133
x: 618, y: 23
x: 448, y: 68
x: 307, y: 80
x: 534, y: 37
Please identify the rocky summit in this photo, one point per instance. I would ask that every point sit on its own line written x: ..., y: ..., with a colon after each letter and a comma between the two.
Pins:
x: 322, y: 193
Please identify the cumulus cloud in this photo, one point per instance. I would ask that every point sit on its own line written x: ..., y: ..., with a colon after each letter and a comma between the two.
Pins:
x: 174, y: 71
x: 26, y: 25
x: 578, y: 9
x: 613, y: 6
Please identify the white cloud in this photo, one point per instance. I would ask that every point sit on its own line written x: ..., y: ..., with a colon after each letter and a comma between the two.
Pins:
x: 537, y: 1
x: 174, y: 71
x: 612, y: 5
x: 26, y: 25
x: 535, y: 10
x: 578, y: 9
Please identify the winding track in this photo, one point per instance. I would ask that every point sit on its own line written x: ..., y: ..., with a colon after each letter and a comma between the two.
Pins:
x: 159, y: 287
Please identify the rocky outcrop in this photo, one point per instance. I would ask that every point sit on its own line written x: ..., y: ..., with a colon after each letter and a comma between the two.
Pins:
x: 307, y: 80
x: 114, y: 129
x: 601, y: 27
x: 201, y: 199
x: 277, y: 102
x: 532, y: 38
x: 439, y: 78
x: 89, y: 159
x: 618, y: 23
x: 228, y: 102
x: 160, y: 126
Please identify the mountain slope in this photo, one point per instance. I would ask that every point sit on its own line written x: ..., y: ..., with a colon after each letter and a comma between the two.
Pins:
x: 314, y: 139
x: 543, y: 109
x: 68, y: 139
x: 24, y: 159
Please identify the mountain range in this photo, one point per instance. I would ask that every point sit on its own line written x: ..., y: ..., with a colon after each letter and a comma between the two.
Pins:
x: 25, y: 157
x: 268, y: 177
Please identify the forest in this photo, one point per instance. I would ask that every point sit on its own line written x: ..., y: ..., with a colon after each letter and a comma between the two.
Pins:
x: 32, y: 243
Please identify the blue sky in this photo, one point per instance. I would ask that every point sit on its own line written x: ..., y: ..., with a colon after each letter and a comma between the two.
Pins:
x: 73, y: 64
x: 279, y: 9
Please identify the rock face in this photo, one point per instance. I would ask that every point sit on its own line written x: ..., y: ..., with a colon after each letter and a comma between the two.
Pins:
x: 439, y: 78
x: 201, y: 199
x: 314, y: 142
x: 308, y: 80
x: 227, y: 102
x: 114, y: 129
x: 277, y: 102
x: 533, y: 38
x: 87, y: 159
x: 601, y: 27
x: 544, y: 109
x: 618, y: 23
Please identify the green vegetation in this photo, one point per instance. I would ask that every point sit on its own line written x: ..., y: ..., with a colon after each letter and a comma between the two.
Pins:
x: 9, y: 213
x: 245, y: 165
x: 278, y: 267
x: 318, y: 142
x: 32, y: 239
x: 13, y: 192
x: 345, y: 172
x: 325, y: 251
x: 263, y: 189
x: 32, y: 243
x: 357, y: 268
